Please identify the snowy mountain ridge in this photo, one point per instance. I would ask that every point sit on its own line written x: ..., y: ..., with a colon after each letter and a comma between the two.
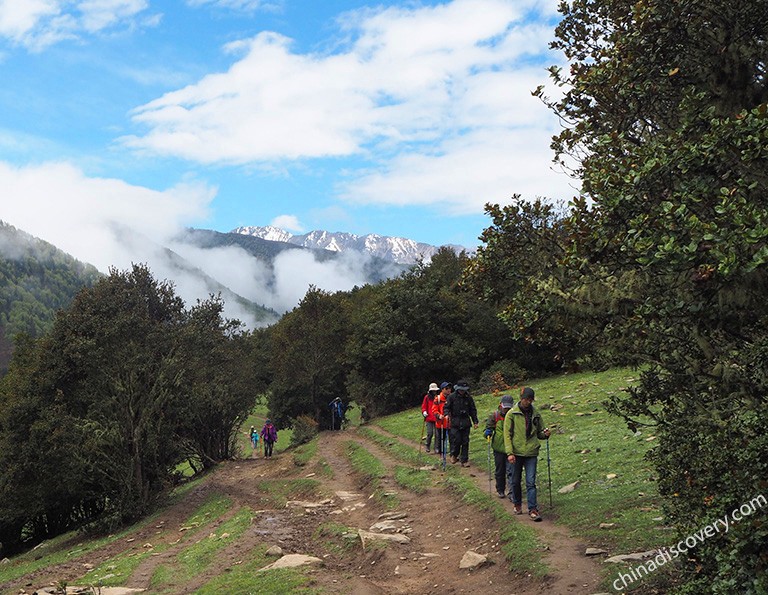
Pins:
x: 399, y: 250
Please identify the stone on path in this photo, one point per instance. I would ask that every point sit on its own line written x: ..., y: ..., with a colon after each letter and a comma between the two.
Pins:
x: 303, y: 504
x: 595, y: 551
x: 275, y: 550
x: 631, y: 557
x: 291, y: 561
x: 395, y: 537
x: 392, y: 516
x: 471, y: 560
x: 569, y: 488
x: 385, y: 526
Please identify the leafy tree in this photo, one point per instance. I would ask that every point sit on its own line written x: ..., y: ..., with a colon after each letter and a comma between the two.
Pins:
x: 420, y: 328
x: 220, y: 383
x: 307, y: 351
x: 96, y: 414
x: 668, y: 122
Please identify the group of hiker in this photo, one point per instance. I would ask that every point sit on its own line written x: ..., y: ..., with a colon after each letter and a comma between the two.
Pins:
x: 268, y: 437
x: 514, y: 432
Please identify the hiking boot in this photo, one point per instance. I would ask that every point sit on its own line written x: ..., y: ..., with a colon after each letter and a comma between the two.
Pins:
x: 465, y: 463
x: 427, y: 448
x: 501, y: 494
x: 454, y: 460
x: 534, y: 514
x: 518, y: 508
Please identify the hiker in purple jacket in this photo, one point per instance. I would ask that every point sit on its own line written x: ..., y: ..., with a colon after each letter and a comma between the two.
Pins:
x: 269, y: 435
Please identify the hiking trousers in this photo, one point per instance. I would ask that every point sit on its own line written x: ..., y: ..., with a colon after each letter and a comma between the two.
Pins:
x: 515, y: 477
x: 430, y: 433
x: 500, y: 461
x: 460, y: 444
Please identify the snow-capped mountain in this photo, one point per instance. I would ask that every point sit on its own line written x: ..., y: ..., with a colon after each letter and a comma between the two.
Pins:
x: 399, y: 250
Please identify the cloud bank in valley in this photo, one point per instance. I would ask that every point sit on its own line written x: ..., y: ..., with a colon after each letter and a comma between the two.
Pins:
x: 109, y: 223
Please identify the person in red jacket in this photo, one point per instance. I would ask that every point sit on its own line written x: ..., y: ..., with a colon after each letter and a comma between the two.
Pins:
x: 429, y: 417
x: 442, y: 424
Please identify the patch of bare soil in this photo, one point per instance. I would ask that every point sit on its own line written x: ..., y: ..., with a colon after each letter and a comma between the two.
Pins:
x: 440, y: 529
x: 570, y: 570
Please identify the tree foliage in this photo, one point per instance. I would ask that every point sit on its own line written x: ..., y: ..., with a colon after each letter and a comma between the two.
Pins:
x: 307, y: 351
x: 667, y: 118
x: 96, y: 414
x: 421, y: 328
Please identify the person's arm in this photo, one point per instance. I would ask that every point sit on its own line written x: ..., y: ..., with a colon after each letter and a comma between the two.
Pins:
x: 473, y: 412
x: 541, y: 432
x: 509, y: 425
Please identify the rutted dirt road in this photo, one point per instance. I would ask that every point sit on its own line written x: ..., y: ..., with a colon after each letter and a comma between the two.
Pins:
x: 440, y: 529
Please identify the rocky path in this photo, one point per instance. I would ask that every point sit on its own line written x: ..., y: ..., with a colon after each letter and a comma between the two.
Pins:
x: 435, y: 527
x: 570, y: 570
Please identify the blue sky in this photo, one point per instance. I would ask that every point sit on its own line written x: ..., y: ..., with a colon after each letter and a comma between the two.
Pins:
x: 395, y: 118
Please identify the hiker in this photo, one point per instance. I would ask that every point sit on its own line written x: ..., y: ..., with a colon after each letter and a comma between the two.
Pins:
x: 426, y: 412
x: 462, y: 413
x: 494, y: 431
x: 254, y: 438
x: 337, y: 413
x: 523, y: 429
x: 269, y: 434
x: 441, y: 421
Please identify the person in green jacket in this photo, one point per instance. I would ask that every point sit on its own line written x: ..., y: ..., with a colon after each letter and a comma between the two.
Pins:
x: 523, y: 429
x: 494, y: 431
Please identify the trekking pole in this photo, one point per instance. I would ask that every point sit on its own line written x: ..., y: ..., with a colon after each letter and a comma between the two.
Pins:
x: 549, y: 476
x: 488, y: 440
x: 423, y: 426
x: 442, y: 447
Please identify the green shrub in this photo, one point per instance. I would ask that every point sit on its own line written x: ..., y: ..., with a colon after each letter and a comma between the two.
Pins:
x: 501, y: 376
x: 304, y: 429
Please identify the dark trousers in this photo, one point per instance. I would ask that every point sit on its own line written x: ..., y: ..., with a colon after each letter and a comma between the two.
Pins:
x: 430, y: 432
x: 460, y: 444
x: 441, y: 440
x: 500, y: 461
x: 268, y: 448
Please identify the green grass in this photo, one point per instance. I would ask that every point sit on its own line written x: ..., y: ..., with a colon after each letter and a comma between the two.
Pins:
x: 412, y: 479
x: 245, y: 579
x: 199, y: 556
x: 304, y: 453
x: 337, y: 538
x: 370, y: 468
x: 580, y: 423
x: 277, y: 492
x: 403, y: 452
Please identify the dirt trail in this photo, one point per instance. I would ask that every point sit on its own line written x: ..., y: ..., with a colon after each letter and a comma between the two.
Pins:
x: 571, y: 571
x: 440, y: 527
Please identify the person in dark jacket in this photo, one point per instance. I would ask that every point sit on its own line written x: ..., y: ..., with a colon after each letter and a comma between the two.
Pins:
x: 461, y: 410
x: 494, y: 431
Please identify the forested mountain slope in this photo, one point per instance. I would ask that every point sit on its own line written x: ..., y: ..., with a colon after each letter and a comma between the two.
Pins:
x: 36, y: 279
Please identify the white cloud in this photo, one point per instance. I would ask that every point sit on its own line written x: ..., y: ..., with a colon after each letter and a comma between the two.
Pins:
x: 240, y: 5
x: 109, y: 223
x: 288, y: 223
x: 411, y: 87
x: 37, y: 24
